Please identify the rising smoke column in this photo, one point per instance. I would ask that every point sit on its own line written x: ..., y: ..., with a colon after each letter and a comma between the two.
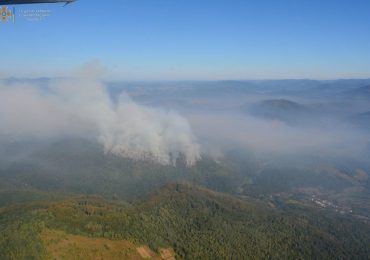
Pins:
x: 81, y: 106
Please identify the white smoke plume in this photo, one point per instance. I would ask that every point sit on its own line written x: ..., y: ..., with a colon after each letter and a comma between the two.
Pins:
x: 81, y: 106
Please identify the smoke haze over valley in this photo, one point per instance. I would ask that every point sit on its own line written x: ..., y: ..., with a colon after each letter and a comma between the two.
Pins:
x: 187, y: 129
x: 240, y: 152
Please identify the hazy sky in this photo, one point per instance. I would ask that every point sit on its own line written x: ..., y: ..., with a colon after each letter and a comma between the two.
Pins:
x: 193, y: 39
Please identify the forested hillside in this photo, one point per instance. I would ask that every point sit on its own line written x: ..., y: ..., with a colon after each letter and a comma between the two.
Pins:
x: 197, y: 223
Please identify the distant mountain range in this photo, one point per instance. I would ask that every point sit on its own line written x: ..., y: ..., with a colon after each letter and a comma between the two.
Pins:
x: 300, y: 87
x: 281, y: 109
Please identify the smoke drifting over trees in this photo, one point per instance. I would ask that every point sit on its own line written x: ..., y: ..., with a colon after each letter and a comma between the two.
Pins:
x: 82, y: 107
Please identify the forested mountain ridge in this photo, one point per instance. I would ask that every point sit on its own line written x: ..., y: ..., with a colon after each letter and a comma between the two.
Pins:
x: 197, y: 223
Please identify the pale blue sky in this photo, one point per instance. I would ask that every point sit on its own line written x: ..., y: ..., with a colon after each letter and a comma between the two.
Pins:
x: 194, y: 39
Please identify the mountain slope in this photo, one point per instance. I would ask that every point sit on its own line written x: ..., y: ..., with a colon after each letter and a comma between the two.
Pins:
x: 281, y: 109
x: 197, y: 223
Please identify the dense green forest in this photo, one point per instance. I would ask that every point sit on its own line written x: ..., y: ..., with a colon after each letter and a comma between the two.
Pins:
x: 196, y: 222
x: 68, y: 196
